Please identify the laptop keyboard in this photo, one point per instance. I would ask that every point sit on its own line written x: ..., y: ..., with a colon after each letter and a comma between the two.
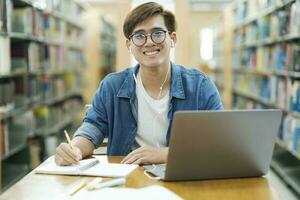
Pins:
x: 157, y: 170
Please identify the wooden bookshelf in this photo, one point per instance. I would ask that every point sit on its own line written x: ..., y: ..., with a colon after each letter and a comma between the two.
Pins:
x: 40, y: 80
x: 266, y: 72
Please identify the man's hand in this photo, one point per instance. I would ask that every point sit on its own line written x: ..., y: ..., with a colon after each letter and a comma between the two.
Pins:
x: 147, y: 155
x: 66, y: 156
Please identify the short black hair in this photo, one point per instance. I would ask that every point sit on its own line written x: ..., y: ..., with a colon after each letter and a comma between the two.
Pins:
x: 144, y: 12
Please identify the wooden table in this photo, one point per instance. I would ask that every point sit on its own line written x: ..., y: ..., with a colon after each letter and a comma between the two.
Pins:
x: 36, y: 186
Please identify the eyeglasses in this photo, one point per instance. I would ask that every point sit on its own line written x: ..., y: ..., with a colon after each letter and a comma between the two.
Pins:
x: 139, y: 39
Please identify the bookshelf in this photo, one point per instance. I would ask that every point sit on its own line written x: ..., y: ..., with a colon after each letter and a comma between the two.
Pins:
x: 266, y: 66
x: 41, y: 63
x: 220, y: 65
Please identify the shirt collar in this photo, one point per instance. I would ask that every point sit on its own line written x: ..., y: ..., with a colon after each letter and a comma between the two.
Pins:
x: 127, y: 89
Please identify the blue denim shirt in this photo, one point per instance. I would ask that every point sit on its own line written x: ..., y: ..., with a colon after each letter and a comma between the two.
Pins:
x: 114, y: 109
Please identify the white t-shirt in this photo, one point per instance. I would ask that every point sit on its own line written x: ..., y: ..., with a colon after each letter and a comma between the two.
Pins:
x: 152, y: 118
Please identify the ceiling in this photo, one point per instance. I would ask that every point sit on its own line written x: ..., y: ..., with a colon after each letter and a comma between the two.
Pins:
x: 196, y: 5
x: 208, y: 5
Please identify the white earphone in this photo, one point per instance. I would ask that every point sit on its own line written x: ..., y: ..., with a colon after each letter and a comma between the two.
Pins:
x: 172, y: 43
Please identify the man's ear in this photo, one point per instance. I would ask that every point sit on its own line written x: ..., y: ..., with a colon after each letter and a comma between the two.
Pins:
x: 173, y: 39
x: 128, y: 45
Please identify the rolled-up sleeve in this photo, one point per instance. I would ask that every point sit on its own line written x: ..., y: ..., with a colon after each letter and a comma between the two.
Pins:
x: 95, y: 123
x: 90, y: 132
x: 210, y: 96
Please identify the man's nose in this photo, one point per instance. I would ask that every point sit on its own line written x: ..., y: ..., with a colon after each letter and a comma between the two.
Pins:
x: 149, y: 41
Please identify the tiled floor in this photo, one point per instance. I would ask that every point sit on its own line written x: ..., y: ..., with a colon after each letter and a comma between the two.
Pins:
x: 281, y: 188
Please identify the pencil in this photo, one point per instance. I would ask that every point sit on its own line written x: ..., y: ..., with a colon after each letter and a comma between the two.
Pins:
x: 68, y: 139
x: 78, y: 187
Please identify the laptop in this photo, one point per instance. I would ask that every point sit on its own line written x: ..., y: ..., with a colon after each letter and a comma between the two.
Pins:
x: 219, y: 144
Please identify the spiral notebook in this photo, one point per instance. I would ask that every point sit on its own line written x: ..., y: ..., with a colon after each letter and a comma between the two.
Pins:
x: 87, y: 167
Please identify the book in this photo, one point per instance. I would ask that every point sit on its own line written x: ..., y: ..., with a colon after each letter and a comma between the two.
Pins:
x: 33, y: 57
x: 264, y: 27
x: 19, y: 129
x: 281, y: 92
x: 4, y: 140
x: 295, y: 96
x: 290, y: 136
x: 295, y: 57
x: 274, y: 26
x: 295, y: 18
x: 22, y: 20
x: 34, y: 91
x: 284, y: 21
x: 7, y: 88
x: 19, y: 56
x: 281, y: 56
x: 87, y: 167
x: 4, y: 56
x: 1, y: 15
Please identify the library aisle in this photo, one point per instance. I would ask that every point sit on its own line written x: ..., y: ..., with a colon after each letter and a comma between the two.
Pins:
x: 54, y: 53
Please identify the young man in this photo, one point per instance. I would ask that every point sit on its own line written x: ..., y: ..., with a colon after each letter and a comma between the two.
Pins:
x: 134, y: 108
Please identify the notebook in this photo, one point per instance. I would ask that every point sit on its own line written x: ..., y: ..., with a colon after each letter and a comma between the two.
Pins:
x: 87, y: 167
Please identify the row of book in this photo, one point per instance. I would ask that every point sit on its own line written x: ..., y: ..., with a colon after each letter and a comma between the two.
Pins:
x: 13, y: 93
x: 289, y: 132
x: 252, y: 8
x: 15, y: 131
x: 270, y: 89
x: 273, y: 58
x: 41, y: 21
x: 48, y: 117
x: 276, y: 91
x: 285, y: 21
x: 33, y: 22
x: 59, y: 86
x: 68, y: 7
x: 22, y: 56
x: 241, y: 102
x: 20, y: 91
x: 46, y: 87
x: 246, y: 9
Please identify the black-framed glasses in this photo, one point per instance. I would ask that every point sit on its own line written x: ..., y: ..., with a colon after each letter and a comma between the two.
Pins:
x: 139, y: 39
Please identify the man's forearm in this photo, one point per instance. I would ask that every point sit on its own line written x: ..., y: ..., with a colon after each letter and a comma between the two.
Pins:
x: 86, y: 146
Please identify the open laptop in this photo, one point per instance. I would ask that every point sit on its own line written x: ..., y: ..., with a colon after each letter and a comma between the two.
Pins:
x: 219, y: 144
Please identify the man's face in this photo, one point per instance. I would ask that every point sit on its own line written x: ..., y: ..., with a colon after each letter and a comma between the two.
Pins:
x: 152, y: 54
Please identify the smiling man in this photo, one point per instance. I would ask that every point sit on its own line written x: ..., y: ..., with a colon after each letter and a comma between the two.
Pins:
x: 134, y: 108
